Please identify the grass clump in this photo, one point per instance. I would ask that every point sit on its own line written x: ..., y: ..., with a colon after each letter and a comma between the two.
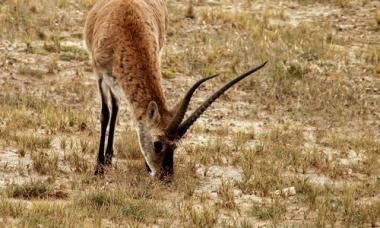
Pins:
x: 45, y: 163
x: 274, y: 211
x: 11, y: 209
x: 117, y: 205
x: 43, y: 214
x: 26, y: 142
x: 226, y: 194
x: 202, y: 216
x: 29, y: 71
x: 39, y: 214
x: 30, y: 190
x: 132, y: 211
x: 142, y: 211
x: 100, y: 200
x: 77, y: 162
x: 87, y: 3
x: 33, y: 142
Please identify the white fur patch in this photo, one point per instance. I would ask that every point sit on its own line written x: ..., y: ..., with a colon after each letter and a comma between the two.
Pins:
x: 112, y: 84
x: 152, y: 169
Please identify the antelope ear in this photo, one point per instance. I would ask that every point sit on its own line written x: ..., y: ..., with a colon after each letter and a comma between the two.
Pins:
x: 152, y: 114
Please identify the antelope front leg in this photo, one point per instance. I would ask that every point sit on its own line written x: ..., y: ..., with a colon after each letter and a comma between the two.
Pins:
x: 105, y: 116
x: 115, y: 109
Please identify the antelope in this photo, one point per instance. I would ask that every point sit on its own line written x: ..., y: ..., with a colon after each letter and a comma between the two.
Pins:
x: 125, y: 39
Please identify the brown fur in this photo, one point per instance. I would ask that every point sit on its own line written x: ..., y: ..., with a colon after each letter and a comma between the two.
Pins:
x: 125, y: 38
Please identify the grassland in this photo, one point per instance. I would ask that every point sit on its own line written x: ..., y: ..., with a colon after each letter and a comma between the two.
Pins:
x: 297, y: 145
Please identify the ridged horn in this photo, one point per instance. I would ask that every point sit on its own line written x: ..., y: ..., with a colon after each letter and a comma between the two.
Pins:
x: 171, y: 130
x: 197, y: 113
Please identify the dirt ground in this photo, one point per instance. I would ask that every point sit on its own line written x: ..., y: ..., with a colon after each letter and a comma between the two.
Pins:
x: 295, y: 145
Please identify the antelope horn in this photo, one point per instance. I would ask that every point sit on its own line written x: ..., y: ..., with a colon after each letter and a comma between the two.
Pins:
x: 171, y: 131
x: 197, y: 113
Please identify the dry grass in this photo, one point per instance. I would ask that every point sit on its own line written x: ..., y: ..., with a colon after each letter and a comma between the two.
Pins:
x: 34, y: 189
x: 296, y: 145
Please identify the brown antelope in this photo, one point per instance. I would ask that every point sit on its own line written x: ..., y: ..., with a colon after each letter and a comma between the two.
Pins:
x: 125, y: 38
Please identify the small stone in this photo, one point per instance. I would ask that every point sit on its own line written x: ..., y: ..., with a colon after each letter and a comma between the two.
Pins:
x: 291, y: 191
x: 238, y: 193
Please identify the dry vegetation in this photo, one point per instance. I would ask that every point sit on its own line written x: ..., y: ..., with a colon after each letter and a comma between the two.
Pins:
x: 296, y: 145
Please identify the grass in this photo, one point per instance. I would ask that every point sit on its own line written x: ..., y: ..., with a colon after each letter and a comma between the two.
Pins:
x: 10, y: 209
x: 41, y: 214
x: 26, y: 142
x: 30, y: 190
x: 199, y: 217
x: 273, y: 211
x: 78, y: 162
x: 44, y: 214
x: 226, y: 195
x: 44, y: 163
x: 217, y: 151
x: 115, y: 205
x: 98, y: 200
x: 127, y: 145
x: 309, y: 121
x: 26, y: 70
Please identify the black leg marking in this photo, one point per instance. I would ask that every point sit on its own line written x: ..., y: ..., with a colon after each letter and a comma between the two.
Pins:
x: 105, y: 116
x: 148, y: 168
x: 115, y: 109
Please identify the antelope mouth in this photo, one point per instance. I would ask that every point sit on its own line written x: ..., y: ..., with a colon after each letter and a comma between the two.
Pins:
x: 166, y: 172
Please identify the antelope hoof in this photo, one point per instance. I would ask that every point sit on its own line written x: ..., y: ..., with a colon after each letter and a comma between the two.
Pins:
x: 108, y: 160
x: 99, y: 170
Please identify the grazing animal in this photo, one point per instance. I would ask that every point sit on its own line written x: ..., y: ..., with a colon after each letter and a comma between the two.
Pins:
x: 125, y: 38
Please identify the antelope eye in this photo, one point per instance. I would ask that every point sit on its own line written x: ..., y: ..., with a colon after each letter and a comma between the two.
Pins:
x: 157, y: 146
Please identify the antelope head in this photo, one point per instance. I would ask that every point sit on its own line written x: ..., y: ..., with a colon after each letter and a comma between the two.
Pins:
x: 159, y: 137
